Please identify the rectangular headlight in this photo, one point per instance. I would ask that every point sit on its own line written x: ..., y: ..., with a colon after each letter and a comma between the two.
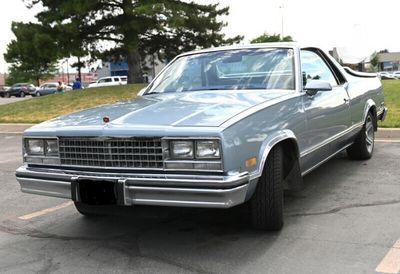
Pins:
x: 182, y: 149
x: 34, y: 146
x: 51, y: 147
x: 208, y: 149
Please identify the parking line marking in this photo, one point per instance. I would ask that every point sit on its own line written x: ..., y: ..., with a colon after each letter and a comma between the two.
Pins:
x: 391, y: 262
x: 45, y: 211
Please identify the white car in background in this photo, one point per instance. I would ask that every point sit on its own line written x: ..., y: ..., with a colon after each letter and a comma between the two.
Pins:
x: 396, y: 74
x: 108, y: 81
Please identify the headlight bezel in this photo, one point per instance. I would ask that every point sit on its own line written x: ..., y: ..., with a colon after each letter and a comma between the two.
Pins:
x: 44, y: 153
x: 194, y: 141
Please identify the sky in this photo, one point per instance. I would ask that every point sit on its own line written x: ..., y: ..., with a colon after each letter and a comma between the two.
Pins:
x: 360, y: 26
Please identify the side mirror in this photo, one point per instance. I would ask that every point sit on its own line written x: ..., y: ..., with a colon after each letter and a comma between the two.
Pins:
x: 313, y: 86
x: 141, y: 92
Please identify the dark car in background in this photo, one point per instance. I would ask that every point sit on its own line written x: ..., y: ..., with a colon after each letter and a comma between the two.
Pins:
x: 18, y: 90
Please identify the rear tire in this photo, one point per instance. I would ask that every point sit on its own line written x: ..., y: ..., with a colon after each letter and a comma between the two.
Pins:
x: 22, y: 94
x: 363, y: 146
x: 267, y: 201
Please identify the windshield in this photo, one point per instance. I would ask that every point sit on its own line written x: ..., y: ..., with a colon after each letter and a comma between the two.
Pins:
x: 226, y: 70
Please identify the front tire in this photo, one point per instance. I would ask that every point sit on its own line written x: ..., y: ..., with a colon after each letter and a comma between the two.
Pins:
x: 22, y: 94
x: 363, y: 146
x: 38, y: 94
x: 267, y: 201
x: 7, y: 95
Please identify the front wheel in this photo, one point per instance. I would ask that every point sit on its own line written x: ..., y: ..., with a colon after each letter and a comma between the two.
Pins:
x: 363, y: 146
x: 267, y: 201
x: 22, y: 94
x: 7, y: 95
x: 38, y: 94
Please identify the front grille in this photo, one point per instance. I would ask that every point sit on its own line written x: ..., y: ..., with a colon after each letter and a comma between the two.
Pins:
x: 111, y: 152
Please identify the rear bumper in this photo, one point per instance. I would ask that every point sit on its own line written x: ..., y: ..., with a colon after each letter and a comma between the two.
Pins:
x: 142, y: 189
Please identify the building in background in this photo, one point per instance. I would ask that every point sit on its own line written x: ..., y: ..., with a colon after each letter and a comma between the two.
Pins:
x: 389, y: 61
x: 351, y: 58
x: 120, y: 68
x: 3, y: 77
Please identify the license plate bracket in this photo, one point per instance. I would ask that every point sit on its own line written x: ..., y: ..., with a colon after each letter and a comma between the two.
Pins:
x: 97, y: 192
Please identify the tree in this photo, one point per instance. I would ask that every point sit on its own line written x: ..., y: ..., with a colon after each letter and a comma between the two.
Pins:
x: 375, y: 61
x: 133, y: 29
x: 33, y: 53
x: 267, y: 38
x: 15, y: 75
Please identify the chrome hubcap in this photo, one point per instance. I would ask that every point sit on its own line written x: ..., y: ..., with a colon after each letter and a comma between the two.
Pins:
x: 369, y: 134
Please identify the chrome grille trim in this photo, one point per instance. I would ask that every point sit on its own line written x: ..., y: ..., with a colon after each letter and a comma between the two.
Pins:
x: 112, y: 152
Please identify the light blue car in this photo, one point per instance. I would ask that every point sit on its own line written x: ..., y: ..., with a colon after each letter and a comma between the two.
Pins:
x: 216, y: 128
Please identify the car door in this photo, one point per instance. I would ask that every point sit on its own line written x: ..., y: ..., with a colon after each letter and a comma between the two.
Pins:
x: 327, y: 112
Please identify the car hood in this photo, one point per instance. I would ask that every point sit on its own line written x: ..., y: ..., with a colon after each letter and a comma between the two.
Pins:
x: 190, y: 109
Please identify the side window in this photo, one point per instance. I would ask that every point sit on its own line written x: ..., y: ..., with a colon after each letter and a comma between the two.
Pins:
x: 105, y: 80
x: 314, y: 68
x: 116, y: 79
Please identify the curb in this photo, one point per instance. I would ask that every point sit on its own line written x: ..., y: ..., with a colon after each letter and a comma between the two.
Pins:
x: 382, y: 134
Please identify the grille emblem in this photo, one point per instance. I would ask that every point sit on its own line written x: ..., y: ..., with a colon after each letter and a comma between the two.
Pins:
x: 106, y: 119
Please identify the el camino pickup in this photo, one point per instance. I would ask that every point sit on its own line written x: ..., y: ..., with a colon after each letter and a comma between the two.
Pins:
x: 216, y: 128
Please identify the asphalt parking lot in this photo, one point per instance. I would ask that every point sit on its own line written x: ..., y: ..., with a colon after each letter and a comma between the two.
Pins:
x: 346, y: 220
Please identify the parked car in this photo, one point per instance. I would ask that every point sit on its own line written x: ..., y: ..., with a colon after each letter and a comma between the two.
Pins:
x: 107, y: 81
x: 385, y: 75
x: 216, y: 128
x: 49, y: 88
x: 45, y: 89
x: 396, y: 74
x: 18, y: 90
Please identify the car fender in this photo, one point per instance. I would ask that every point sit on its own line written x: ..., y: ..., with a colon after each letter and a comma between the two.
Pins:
x: 368, y: 105
x: 270, y: 141
x: 266, y: 147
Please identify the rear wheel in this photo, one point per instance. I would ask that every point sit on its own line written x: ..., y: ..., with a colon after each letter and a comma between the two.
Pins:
x: 363, y: 146
x: 22, y: 94
x: 267, y: 201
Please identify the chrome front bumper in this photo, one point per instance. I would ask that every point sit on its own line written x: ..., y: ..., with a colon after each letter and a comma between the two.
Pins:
x: 142, y: 189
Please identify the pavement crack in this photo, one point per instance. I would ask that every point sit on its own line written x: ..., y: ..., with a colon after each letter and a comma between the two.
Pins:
x: 340, y: 208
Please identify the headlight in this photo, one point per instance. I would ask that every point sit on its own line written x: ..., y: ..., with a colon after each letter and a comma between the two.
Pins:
x: 34, y: 147
x: 51, y: 147
x: 207, y: 149
x: 182, y: 149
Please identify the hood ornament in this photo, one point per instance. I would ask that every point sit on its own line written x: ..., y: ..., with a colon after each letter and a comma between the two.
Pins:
x: 106, y: 119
